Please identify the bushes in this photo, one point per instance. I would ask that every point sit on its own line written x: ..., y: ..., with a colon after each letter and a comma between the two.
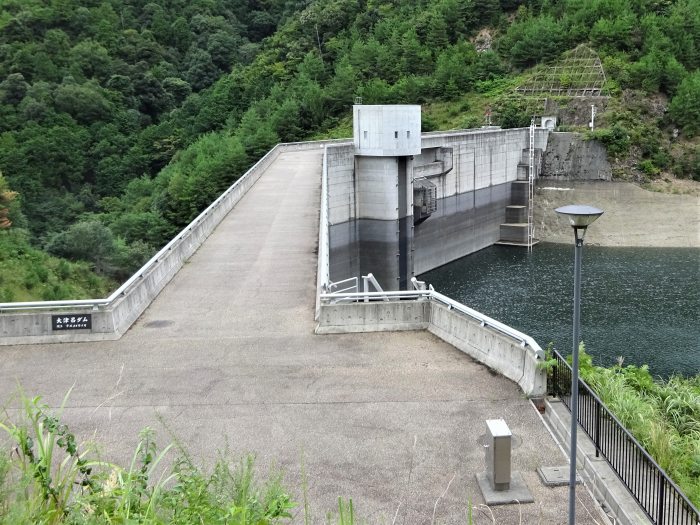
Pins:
x: 664, y: 416
x: 50, y: 478
x: 30, y: 274
x: 615, y: 138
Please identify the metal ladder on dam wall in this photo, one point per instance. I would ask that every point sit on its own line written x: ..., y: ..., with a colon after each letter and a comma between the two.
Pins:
x: 519, y: 228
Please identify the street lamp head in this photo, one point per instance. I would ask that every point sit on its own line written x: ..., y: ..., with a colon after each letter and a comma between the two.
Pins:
x: 580, y: 216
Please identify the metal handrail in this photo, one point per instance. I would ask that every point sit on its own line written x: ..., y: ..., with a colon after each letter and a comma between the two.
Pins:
x: 323, y: 271
x: 332, y: 287
x: 43, y: 305
x: 418, y: 285
x: 662, y: 508
x: 368, y: 280
x: 484, y: 320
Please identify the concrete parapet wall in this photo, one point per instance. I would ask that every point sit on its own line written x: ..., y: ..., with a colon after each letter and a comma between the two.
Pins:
x: 113, y: 319
x: 35, y: 327
x: 497, y: 351
x: 373, y: 317
x: 489, y: 347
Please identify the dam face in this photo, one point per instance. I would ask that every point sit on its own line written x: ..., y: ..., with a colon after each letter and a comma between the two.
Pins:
x: 398, y: 209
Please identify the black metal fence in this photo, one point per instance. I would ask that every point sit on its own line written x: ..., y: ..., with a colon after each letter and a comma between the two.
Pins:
x: 658, y: 495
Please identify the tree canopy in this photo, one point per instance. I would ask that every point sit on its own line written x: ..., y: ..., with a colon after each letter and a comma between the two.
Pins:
x: 125, y: 119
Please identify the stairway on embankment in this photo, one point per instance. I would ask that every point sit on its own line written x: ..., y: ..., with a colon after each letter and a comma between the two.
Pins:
x: 514, y: 232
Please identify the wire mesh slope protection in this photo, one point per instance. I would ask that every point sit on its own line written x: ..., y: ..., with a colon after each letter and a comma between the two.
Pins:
x: 578, y: 73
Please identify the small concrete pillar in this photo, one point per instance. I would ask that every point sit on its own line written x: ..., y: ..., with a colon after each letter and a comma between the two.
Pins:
x: 499, y: 485
x: 498, y: 454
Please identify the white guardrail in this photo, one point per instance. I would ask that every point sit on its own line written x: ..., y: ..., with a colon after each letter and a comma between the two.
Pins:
x: 417, y: 295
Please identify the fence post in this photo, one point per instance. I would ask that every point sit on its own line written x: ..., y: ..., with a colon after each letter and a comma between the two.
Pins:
x: 597, y: 428
x: 661, y: 502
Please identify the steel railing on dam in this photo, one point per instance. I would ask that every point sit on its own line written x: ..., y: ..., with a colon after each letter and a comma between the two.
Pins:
x: 660, y: 498
x: 418, y: 295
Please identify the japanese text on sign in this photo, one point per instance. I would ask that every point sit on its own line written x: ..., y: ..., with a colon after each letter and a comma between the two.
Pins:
x: 71, y: 322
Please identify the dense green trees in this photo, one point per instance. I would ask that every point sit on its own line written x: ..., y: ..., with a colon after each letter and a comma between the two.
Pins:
x: 685, y: 107
x: 133, y: 116
x: 9, y: 205
x: 72, y: 68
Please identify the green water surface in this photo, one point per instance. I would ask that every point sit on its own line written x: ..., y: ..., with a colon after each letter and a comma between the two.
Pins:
x: 639, y: 303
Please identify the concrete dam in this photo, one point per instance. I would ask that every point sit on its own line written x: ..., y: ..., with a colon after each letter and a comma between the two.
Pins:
x: 225, y: 345
x: 400, y: 205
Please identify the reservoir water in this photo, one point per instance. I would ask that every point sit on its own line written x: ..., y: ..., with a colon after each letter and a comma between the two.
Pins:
x: 642, y: 304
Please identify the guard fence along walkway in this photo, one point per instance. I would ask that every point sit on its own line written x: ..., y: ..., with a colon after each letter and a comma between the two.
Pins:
x: 662, y: 500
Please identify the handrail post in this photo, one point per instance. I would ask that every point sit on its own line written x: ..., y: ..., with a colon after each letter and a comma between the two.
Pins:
x: 597, y: 428
x: 661, y: 502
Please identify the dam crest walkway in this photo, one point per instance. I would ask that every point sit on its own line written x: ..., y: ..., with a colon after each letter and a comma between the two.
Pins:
x: 226, y: 357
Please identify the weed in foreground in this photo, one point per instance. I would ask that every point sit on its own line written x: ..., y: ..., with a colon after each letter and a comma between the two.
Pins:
x: 47, y: 479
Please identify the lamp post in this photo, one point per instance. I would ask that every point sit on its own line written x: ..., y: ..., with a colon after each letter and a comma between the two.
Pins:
x: 580, y: 217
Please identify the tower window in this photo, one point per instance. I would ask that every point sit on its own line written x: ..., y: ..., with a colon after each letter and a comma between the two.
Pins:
x: 396, y: 134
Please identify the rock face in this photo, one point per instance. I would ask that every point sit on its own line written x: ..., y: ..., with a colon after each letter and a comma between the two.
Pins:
x: 570, y: 157
x: 632, y: 216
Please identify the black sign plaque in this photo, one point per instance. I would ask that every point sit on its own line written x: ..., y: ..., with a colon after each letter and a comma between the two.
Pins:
x: 71, y: 322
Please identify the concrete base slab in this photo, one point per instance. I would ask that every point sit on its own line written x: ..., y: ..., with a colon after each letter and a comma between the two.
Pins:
x: 518, y: 492
x: 556, y: 476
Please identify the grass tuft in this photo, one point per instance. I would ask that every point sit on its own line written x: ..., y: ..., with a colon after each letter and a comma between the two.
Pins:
x: 48, y: 479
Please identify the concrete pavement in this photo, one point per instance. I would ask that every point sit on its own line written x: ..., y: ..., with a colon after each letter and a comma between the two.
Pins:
x: 226, y: 355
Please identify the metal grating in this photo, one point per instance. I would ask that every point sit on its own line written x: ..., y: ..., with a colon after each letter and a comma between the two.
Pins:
x: 578, y: 73
x: 427, y: 195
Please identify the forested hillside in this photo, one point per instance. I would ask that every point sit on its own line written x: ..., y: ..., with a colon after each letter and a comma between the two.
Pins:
x: 122, y: 120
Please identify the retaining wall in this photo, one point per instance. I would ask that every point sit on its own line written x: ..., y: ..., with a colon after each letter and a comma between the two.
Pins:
x: 503, y: 354
x: 570, y: 157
